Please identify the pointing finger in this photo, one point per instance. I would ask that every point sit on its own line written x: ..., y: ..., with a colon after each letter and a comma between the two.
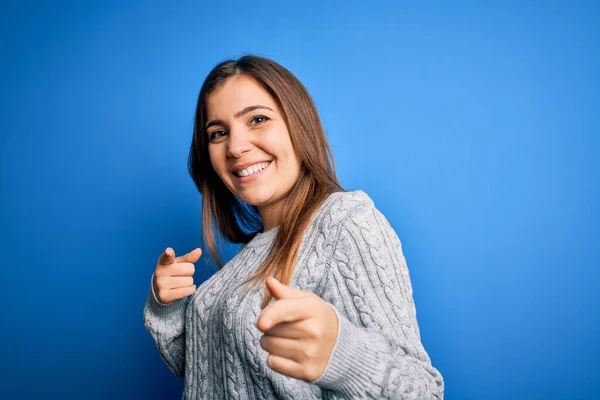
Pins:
x: 285, y: 310
x: 191, y: 257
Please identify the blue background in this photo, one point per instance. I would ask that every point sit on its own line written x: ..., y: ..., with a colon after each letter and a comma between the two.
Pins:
x: 475, y: 128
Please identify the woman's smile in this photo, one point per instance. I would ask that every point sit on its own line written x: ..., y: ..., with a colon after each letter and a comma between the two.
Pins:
x: 251, y: 173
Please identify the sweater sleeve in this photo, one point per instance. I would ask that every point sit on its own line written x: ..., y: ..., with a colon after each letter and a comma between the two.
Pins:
x: 378, y: 351
x: 166, y: 324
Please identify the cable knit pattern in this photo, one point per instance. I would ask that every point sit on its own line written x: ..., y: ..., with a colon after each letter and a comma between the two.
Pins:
x: 352, y: 258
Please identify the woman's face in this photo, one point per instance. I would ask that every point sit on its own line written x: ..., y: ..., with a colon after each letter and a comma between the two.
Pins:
x: 249, y: 143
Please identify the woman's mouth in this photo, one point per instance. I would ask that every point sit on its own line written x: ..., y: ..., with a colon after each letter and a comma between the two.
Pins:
x: 251, y: 173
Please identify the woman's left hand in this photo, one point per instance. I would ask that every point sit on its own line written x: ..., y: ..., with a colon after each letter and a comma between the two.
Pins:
x: 300, y: 331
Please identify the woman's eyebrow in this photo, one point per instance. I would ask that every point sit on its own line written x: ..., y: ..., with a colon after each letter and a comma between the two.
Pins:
x: 239, y: 114
x: 250, y: 109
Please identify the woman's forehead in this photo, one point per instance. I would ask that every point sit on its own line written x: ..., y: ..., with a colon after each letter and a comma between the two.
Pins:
x: 235, y: 94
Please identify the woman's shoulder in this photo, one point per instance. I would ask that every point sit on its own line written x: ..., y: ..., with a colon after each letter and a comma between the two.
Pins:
x: 341, y: 205
x: 350, y: 197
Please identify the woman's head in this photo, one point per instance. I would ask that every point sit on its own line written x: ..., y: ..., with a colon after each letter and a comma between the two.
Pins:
x: 254, y: 110
x: 249, y: 144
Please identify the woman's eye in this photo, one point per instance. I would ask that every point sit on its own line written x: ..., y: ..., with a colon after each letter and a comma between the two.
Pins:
x: 215, y: 135
x: 258, y: 119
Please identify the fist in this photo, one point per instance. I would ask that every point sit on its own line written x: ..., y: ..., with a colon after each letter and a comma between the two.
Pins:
x: 300, y: 331
x: 174, y: 276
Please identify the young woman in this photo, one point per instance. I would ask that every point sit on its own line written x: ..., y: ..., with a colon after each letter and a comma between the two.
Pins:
x: 317, y: 303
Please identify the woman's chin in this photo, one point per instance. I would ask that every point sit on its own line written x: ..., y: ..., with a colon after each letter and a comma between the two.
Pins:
x: 255, y: 199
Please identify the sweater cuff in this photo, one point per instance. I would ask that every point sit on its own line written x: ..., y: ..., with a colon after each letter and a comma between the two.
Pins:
x: 353, y: 361
x: 162, y: 310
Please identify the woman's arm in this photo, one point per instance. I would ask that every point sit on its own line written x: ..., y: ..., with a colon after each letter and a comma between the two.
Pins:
x: 166, y: 324
x: 378, y: 351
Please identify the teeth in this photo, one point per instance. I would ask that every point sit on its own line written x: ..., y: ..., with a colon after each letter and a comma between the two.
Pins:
x: 253, y: 169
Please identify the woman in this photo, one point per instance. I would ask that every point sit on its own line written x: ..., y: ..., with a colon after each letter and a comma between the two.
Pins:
x: 318, y: 302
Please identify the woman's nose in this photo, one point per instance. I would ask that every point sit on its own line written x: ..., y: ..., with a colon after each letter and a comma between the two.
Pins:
x: 238, y: 144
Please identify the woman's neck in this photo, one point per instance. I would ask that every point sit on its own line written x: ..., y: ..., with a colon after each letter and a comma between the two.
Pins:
x: 270, y: 215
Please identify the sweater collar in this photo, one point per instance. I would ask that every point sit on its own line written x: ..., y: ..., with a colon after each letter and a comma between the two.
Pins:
x: 264, y: 237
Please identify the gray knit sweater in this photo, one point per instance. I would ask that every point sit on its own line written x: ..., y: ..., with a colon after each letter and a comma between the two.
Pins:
x: 352, y: 258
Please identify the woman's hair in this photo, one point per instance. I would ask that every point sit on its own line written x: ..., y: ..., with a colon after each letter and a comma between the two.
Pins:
x: 238, y: 222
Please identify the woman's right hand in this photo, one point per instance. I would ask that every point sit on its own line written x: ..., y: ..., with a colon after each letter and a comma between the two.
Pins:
x: 174, y: 277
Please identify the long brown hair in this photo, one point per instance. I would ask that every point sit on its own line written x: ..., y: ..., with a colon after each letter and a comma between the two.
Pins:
x: 239, y: 222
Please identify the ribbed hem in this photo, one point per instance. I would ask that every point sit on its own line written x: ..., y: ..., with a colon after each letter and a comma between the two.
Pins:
x: 354, y: 360
x: 172, y: 310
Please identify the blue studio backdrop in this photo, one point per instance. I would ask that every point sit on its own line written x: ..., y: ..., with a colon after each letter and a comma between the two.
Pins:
x: 474, y: 127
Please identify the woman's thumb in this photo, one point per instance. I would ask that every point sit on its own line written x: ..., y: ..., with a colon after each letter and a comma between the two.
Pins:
x: 167, y: 257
